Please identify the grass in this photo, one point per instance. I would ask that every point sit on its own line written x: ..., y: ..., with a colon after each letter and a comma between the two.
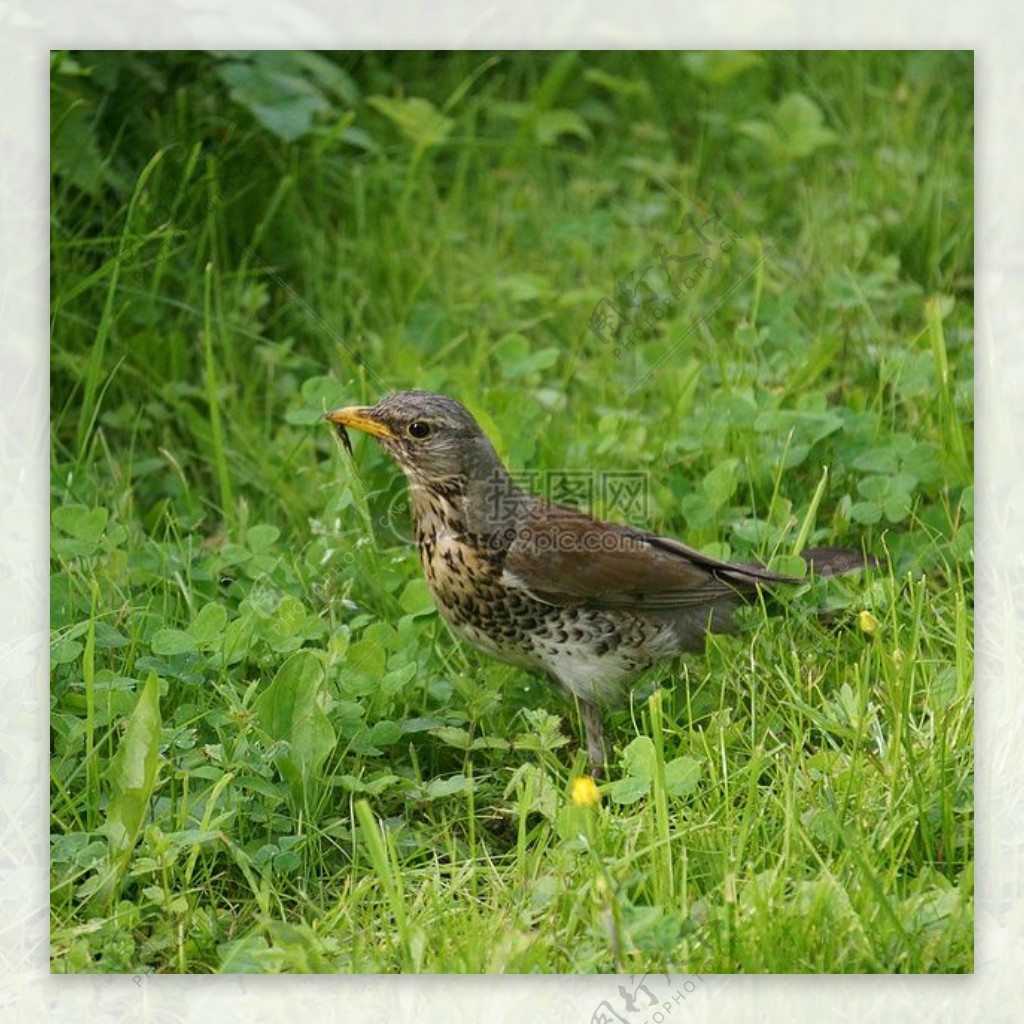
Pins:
x: 268, y: 753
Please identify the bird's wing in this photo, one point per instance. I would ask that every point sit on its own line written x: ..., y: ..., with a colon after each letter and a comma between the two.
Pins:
x: 562, y: 556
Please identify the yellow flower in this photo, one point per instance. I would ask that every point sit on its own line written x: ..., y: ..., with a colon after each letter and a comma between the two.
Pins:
x: 584, y: 792
x: 868, y: 623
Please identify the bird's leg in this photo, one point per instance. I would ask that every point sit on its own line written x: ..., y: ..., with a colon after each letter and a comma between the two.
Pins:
x: 592, y: 726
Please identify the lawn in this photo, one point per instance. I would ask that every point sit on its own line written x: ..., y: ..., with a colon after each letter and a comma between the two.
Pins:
x: 727, y: 297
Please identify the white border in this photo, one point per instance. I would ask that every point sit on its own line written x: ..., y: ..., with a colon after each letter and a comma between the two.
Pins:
x: 29, y: 28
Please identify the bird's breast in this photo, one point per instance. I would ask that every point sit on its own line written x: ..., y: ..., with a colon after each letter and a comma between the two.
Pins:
x: 455, y: 568
x: 461, y: 576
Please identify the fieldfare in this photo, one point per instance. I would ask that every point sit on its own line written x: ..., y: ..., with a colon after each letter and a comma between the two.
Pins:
x: 587, y: 603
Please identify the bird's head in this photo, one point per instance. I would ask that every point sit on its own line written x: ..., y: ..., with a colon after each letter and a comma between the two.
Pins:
x: 435, y: 440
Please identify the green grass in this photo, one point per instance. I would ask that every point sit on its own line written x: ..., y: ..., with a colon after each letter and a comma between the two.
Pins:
x: 268, y: 753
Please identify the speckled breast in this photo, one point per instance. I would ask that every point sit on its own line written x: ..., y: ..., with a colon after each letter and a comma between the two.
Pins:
x: 466, y: 583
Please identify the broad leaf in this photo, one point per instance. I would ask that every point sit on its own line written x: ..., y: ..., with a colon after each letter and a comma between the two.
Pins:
x: 132, y: 773
x: 289, y: 713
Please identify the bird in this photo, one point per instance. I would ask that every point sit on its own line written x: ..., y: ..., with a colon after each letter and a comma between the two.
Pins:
x: 586, y: 603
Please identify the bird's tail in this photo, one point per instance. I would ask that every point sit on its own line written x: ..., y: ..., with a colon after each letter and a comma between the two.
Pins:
x: 828, y: 561
x: 823, y: 562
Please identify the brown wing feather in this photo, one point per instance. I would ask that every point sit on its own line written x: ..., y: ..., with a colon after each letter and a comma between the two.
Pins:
x: 565, y: 557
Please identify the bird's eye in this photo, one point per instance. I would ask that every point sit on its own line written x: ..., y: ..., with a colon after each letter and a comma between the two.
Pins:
x: 419, y: 429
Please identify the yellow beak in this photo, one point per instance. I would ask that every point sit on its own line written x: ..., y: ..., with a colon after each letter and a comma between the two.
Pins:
x: 359, y: 417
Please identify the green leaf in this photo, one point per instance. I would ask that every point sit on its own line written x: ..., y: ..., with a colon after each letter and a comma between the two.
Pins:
x: 416, y: 599
x: 238, y: 639
x: 326, y: 74
x: 363, y: 667
x: 653, y: 930
x: 943, y: 689
x: 131, y: 776
x: 800, y: 123
x: 448, y: 787
x: 717, y: 67
x: 77, y: 530
x: 82, y: 523
x: 300, y: 949
x: 108, y: 637
x: 640, y: 758
x: 208, y: 624
x: 280, y: 98
x: 681, y: 776
x: 396, y: 680
x: 897, y: 506
x: 821, y: 823
x: 417, y: 119
x: 874, y: 488
x: 453, y: 736
x: 697, y: 509
x: 74, y: 152
x: 866, y: 512
x: 925, y: 462
x: 283, y: 629
x: 536, y: 361
x: 794, y: 129
x: 962, y: 543
x: 64, y: 650
x: 248, y: 955
x: 810, y: 427
x: 374, y: 787
x: 289, y: 711
x: 384, y: 733
x: 551, y: 124
x: 303, y: 417
x: 720, y: 484
x: 383, y: 635
x: 260, y: 537
x: 324, y: 393
x: 172, y: 641
x: 629, y: 789
x: 967, y: 501
x: 519, y: 287
x: 615, y: 83
x: 347, y: 713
